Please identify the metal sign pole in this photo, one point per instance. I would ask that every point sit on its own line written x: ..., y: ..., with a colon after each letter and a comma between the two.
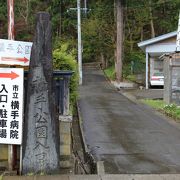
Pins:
x: 10, y: 37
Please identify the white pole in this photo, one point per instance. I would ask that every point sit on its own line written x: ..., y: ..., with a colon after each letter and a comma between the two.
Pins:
x: 79, y: 42
x: 85, y: 7
x: 178, y: 37
x: 147, y: 70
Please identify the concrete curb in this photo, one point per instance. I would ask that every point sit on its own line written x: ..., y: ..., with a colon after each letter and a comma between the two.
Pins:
x: 100, y: 168
x: 81, y: 128
x: 87, y: 153
x: 98, y: 177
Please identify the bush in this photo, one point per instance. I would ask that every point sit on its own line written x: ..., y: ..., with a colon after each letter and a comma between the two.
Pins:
x: 172, y: 110
x: 64, y: 59
x: 136, y: 61
x: 110, y: 72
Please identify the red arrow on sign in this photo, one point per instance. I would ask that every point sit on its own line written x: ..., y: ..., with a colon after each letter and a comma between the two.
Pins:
x: 25, y: 60
x: 11, y: 75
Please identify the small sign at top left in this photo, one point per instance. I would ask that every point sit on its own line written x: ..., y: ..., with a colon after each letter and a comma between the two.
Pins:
x: 15, y: 52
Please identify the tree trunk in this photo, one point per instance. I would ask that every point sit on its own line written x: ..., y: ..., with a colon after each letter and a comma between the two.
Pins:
x: 103, y: 61
x: 151, y: 20
x: 142, y: 34
x: 119, y: 43
x: 60, y: 21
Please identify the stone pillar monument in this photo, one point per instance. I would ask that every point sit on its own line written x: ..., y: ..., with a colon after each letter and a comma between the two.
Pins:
x: 41, y: 133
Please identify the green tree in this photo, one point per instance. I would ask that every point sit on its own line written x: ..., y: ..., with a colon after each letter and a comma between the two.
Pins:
x: 3, y: 19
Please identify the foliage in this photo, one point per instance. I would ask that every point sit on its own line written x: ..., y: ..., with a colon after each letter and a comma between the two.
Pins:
x: 131, y: 78
x: 3, y: 19
x: 64, y: 59
x: 157, y: 104
x: 98, y: 26
x: 171, y: 110
x: 2, y: 175
x: 98, y: 31
x: 110, y: 72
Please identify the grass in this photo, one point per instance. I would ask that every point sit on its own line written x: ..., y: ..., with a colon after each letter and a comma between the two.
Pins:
x: 131, y: 77
x: 171, y: 110
x: 157, y: 104
x: 1, y: 176
x: 110, y: 72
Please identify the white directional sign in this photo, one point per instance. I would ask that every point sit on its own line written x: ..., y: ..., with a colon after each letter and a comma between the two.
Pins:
x: 11, y: 105
x: 15, y: 52
x: 178, y: 37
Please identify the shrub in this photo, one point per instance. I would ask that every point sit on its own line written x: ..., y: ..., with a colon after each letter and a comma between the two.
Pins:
x: 110, y: 72
x: 64, y: 59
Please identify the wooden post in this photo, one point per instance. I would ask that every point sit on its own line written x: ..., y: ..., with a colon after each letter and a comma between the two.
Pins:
x: 10, y: 19
x: 41, y: 133
x: 11, y: 148
x: 147, y: 70
x: 119, y: 43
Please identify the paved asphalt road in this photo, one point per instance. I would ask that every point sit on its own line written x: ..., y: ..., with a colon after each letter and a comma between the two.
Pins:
x: 128, y: 137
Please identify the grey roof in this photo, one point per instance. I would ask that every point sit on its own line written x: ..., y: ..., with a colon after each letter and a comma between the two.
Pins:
x: 156, y: 39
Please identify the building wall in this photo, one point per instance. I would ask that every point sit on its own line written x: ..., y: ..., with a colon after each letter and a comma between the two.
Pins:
x: 169, y: 40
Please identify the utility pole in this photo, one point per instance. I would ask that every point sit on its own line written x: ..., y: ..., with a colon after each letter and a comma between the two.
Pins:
x: 78, y: 9
x: 10, y: 37
x: 79, y: 42
x: 178, y: 37
x: 85, y: 7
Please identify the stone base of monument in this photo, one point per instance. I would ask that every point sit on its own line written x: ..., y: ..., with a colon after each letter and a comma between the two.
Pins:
x: 65, y: 125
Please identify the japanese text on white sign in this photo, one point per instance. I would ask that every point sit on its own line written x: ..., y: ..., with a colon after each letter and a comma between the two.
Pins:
x: 15, y: 52
x: 11, y: 105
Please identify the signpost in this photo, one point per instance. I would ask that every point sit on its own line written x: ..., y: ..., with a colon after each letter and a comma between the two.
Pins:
x: 11, y: 105
x: 10, y: 8
x: 15, y: 52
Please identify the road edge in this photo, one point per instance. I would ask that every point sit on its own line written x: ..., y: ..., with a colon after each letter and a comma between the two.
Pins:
x: 88, y: 156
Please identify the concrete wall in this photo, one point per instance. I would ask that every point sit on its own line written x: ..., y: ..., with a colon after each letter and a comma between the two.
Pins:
x: 172, y: 79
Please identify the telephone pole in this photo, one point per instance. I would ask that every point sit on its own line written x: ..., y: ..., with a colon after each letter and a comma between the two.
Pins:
x: 178, y: 37
x: 85, y: 7
x: 79, y: 42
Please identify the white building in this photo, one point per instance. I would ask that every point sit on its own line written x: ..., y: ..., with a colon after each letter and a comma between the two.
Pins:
x: 154, y: 48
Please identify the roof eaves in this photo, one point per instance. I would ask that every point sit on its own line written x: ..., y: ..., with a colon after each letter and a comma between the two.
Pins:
x: 156, y: 39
